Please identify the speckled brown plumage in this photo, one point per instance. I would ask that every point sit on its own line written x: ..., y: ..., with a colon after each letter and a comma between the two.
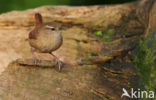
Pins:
x: 45, y: 37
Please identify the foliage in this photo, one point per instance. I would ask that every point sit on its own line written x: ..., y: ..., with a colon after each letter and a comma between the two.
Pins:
x: 145, y: 62
x: 7, y: 5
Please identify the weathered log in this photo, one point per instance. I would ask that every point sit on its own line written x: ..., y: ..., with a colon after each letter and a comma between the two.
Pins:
x: 120, y: 26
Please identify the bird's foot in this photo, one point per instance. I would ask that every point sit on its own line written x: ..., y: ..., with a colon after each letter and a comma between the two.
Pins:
x: 34, y: 60
x: 59, y: 64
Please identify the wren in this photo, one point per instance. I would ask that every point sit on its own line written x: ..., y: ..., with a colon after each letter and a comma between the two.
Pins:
x: 45, y: 38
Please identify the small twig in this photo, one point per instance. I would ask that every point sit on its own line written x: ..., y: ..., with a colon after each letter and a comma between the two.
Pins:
x: 52, y: 63
x: 40, y: 63
x: 95, y: 60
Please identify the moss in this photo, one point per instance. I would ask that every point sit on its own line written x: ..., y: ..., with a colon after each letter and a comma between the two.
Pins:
x: 89, y: 54
x: 98, y: 33
x: 145, y: 63
x: 107, y: 35
x: 110, y: 31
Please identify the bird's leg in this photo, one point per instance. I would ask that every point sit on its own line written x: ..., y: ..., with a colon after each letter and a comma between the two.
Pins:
x: 33, y: 56
x: 58, y: 61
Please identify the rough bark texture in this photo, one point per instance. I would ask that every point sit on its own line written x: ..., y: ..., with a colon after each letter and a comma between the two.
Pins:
x: 101, y: 76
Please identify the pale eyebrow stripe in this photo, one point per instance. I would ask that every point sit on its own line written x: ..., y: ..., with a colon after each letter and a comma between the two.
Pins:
x: 47, y: 26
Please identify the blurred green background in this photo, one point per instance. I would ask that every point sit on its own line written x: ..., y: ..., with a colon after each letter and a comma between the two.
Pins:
x: 8, y: 5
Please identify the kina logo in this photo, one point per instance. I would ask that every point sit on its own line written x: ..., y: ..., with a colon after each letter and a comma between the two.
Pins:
x: 137, y: 93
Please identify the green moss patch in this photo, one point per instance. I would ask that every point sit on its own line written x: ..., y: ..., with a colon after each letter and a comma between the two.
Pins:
x: 107, y: 35
x: 145, y: 62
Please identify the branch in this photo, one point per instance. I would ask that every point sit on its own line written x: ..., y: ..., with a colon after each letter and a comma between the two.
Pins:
x: 95, y: 60
x: 52, y: 63
x: 40, y: 63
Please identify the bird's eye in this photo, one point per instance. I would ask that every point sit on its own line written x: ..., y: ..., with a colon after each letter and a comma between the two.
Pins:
x: 53, y: 29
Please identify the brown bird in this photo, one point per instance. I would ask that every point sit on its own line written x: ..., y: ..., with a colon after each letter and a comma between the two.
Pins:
x: 45, y: 38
